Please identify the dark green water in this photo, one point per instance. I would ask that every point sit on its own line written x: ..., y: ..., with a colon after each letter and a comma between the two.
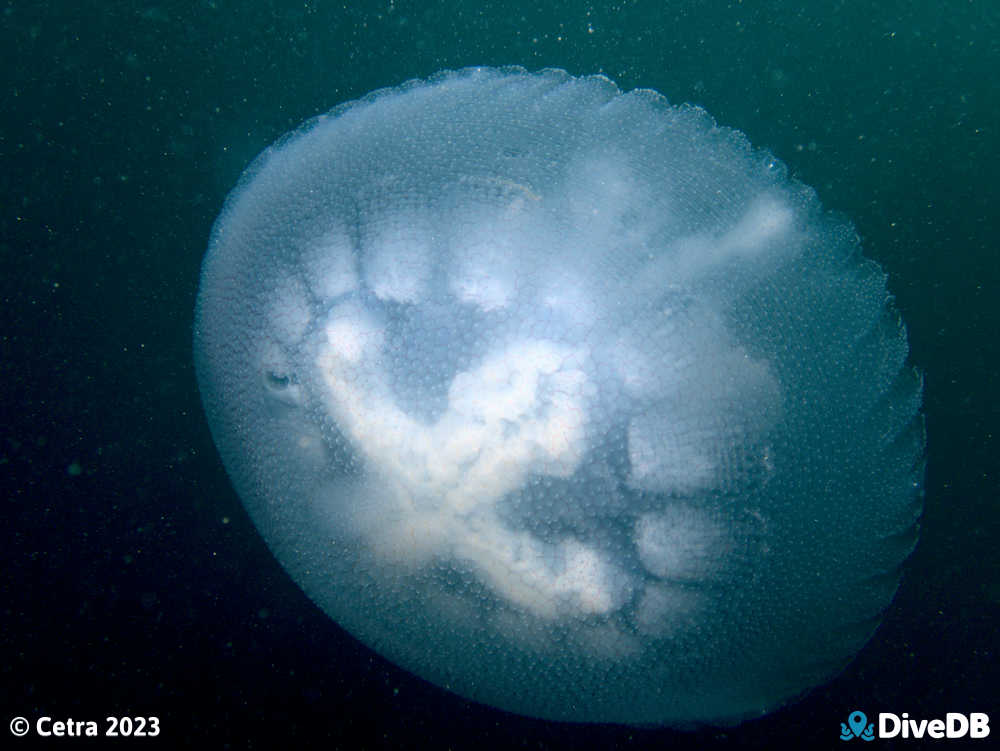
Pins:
x: 135, y: 584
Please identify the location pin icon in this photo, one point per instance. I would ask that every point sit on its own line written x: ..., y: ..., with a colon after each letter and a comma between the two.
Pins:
x: 857, y: 721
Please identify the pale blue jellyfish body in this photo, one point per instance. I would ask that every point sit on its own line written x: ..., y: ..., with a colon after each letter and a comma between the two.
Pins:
x: 565, y: 399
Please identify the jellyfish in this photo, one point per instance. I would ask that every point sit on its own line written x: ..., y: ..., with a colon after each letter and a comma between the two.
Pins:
x: 563, y: 398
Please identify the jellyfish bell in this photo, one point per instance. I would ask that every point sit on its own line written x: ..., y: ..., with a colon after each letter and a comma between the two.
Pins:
x: 564, y: 398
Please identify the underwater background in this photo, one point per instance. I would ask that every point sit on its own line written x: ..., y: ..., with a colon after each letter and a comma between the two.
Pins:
x: 134, y: 583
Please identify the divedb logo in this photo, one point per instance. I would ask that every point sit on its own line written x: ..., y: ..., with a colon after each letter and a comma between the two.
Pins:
x: 974, y: 725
